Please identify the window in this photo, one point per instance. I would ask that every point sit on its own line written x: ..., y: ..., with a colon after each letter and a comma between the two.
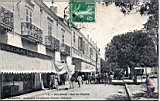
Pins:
x: 74, y: 37
x: 62, y: 30
x: 49, y: 28
x: 83, y: 47
x: 28, y: 15
x: 62, y: 38
x: 91, y: 52
x: 80, y: 43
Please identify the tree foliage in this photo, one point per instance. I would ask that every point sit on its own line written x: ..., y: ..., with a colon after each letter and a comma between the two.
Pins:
x: 131, y: 49
x: 153, y: 22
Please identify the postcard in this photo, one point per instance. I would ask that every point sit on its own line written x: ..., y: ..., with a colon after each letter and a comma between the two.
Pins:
x: 79, y: 50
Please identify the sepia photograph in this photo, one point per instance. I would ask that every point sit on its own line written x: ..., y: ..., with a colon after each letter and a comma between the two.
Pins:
x: 79, y: 50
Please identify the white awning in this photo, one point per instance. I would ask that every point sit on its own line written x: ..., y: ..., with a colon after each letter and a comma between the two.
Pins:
x: 61, y: 68
x: 15, y: 63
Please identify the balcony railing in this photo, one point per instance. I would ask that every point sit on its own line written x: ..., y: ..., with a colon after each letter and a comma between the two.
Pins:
x: 31, y: 32
x: 65, y: 49
x: 6, y: 19
x: 52, y: 43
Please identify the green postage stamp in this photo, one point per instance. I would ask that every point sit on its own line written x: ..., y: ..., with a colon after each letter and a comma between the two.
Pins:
x: 82, y: 10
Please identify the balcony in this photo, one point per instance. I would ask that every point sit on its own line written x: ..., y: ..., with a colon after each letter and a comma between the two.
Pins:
x: 52, y: 43
x: 65, y: 49
x: 31, y: 32
x: 6, y: 20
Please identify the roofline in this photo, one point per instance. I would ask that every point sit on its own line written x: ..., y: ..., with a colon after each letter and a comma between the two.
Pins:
x: 51, y: 13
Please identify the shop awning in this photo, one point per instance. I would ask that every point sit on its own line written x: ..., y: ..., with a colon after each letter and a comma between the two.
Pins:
x: 15, y: 63
x: 61, y: 68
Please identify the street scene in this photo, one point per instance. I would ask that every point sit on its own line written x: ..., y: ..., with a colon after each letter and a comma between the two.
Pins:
x: 79, y: 50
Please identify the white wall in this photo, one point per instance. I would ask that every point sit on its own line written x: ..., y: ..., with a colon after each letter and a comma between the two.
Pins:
x: 41, y: 49
x: 14, y: 39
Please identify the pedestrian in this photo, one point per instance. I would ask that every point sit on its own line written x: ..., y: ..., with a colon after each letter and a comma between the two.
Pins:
x: 98, y: 78
x: 56, y: 82
x: 72, y: 80
x: 83, y: 79
x: 79, y: 80
x: 150, y: 86
x: 51, y: 81
x: 106, y: 78
x: 110, y: 77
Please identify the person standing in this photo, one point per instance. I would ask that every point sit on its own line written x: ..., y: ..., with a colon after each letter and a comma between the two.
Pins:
x: 79, y: 80
x: 82, y: 78
x: 56, y: 82
x: 110, y: 77
x: 150, y: 86
x: 106, y: 78
x: 51, y: 81
x: 72, y: 80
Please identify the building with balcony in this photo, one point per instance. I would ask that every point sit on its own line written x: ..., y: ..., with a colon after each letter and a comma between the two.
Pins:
x: 84, y: 54
x: 35, y: 44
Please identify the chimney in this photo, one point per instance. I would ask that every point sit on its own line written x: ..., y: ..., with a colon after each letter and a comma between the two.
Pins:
x: 88, y: 37
x: 54, y: 9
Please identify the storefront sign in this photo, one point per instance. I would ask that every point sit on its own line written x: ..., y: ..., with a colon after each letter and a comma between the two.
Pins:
x: 22, y: 51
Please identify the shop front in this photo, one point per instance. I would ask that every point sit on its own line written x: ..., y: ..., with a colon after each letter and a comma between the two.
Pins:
x: 21, y: 70
x: 88, y: 71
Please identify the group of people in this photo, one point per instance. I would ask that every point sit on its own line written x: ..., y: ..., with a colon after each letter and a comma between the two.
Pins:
x: 53, y: 83
x: 80, y: 79
x: 105, y: 78
x: 108, y: 78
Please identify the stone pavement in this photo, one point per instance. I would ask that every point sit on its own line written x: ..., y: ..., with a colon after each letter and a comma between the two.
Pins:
x: 86, y: 91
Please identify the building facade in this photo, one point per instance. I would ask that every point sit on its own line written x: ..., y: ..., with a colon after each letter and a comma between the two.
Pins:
x: 35, y: 43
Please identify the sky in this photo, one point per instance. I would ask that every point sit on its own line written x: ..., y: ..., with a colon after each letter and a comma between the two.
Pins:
x: 109, y: 22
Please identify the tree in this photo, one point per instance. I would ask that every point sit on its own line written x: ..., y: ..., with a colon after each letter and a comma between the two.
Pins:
x: 133, y: 49
x: 153, y: 22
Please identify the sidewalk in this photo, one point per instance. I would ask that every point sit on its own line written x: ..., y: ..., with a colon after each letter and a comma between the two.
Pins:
x: 127, y: 81
x: 34, y: 94
x: 30, y: 95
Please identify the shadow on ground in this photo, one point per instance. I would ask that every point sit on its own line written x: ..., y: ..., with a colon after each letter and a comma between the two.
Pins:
x: 117, y: 97
x: 143, y: 95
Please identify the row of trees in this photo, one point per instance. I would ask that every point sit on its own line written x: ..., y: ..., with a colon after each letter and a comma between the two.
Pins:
x: 138, y: 48
x: 133, y: 49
